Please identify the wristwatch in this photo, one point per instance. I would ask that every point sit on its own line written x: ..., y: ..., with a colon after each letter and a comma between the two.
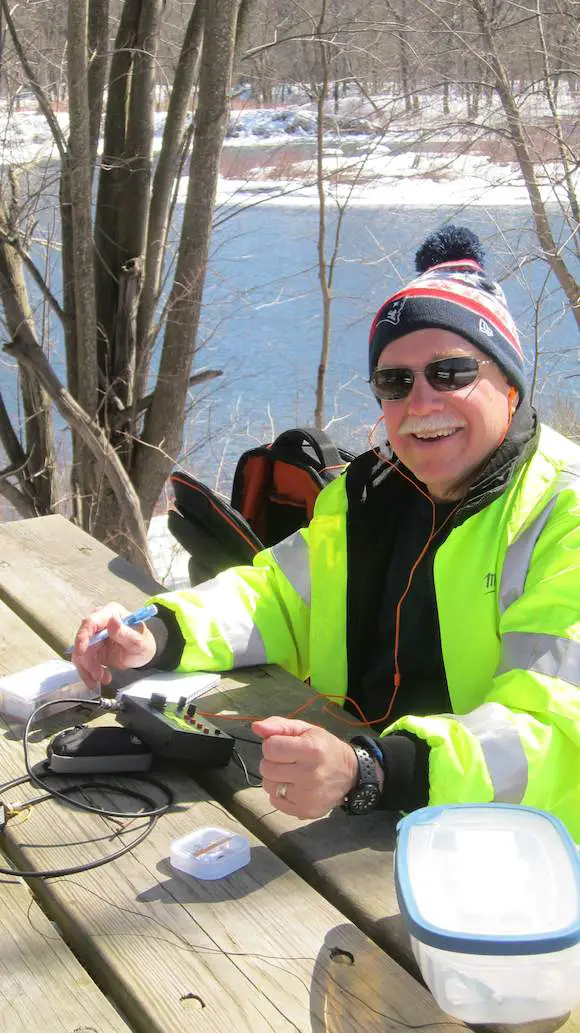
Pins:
x: 365, y: 795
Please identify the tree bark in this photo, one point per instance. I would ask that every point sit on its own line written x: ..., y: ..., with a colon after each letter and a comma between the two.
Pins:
x: 173, y: 135
x: 78, y: 170
x: 110, y: 255
x: 321, y: 241
x: 163, y: 429
x: 30, y: 355
x: 136, y: 168
x: 523, y: 154
x: 98, y: 31
x: 37, y: 476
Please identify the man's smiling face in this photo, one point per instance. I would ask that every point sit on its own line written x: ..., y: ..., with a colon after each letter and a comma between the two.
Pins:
x: 443, y: 437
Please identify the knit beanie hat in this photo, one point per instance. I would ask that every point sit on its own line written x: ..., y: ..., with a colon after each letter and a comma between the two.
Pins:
x: 453, y: 293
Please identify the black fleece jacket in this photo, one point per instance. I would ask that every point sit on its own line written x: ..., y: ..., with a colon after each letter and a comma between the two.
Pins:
x: 388, y: 523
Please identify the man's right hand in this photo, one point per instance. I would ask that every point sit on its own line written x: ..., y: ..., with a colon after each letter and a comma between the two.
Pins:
x: 125, y: 647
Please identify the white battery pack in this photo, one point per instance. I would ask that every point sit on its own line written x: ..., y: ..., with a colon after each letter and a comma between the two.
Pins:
x: 53, y: 681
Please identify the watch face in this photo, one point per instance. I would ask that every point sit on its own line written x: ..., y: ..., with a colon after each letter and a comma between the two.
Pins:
x: 363, y: 798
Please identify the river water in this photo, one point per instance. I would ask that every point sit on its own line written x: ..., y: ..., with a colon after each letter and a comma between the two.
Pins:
x: 262, y: 320
x: 263, y: 315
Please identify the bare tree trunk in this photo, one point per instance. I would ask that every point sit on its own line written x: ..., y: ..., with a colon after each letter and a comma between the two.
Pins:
x: 30, y: 355
x: 110, y: 254
x: 20, y: 495
x: 173, y: 136
x: 563, y: 150
x: 2, y: 39
x: 132, y: 187
x: 446, y: 108
x: 321, y: 242
x: 98, y: 42
x: 78, y: 170
x: 101, y: 332
x: 136, y: 169
x: 518, y: 136
x: 37, y: 465
x: 163, y: 430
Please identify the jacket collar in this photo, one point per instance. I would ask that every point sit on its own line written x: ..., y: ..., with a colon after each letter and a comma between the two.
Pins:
x: 495, y: 474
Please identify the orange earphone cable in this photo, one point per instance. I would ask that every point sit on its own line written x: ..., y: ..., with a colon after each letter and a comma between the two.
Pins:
x: 433, y: 532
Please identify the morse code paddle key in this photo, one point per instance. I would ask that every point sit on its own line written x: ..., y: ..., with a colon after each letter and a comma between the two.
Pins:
x: 100, y: 749
x: 175, y: 730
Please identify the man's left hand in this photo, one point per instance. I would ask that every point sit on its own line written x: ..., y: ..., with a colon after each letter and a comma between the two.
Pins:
x: 305, y: 770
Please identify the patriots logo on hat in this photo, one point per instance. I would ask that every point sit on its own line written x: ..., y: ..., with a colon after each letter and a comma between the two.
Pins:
x: 393, y: 313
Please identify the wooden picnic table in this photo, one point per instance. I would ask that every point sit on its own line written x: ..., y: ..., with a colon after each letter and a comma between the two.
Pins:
x: 306, y: 937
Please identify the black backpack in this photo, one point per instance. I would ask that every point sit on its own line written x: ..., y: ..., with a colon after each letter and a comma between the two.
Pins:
x: 274, y: 490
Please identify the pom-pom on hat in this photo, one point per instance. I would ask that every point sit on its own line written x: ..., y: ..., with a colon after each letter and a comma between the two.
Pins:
x: 452, y: 292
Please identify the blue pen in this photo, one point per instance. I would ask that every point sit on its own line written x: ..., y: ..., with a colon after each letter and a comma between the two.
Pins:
x: 145, y: 614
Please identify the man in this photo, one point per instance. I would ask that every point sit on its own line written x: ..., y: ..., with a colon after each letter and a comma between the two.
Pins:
x: 436, y: 590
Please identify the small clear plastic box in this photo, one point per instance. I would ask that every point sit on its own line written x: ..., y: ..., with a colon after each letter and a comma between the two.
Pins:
x: 53, y: 681
x: 210, y: 852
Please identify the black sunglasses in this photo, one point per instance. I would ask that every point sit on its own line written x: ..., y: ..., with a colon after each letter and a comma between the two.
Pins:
x: 391, y: 383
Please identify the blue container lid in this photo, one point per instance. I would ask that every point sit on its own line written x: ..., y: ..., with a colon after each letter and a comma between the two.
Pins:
x: 492, y: 879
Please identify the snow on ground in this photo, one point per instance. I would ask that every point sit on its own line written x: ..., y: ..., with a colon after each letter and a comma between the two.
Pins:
x: 374, y: 155
x: 370, y: 164
x: 391, y: 180
x: 168, y: 558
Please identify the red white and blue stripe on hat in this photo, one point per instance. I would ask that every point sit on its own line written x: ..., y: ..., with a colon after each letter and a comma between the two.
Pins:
x: 453, y: 293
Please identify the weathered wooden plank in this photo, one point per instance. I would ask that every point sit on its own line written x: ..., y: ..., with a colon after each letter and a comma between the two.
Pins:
x: 330, y: 851
x: 42, y: 985
x: 52, y: 574
x: 19, y: 646
x: 348, y: 859
x: 253, y: 952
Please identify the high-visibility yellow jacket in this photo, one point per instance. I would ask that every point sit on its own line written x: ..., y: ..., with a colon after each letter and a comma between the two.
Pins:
x: 509, y: 624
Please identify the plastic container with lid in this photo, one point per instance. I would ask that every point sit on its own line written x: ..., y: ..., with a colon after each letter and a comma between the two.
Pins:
x: 210, y: 852
x: 490, y: 895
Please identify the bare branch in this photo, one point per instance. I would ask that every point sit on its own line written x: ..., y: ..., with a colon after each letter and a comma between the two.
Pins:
x: 35, y: 86
x: 17, y: 499
x: 33, y: 358
x: 123, y: 415
x: 34, y: 272
x: 9, y: 439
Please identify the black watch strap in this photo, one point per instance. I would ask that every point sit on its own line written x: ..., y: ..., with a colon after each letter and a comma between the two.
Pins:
x: 371, y: 745
x: 365, y: 795
x: 367, y: 772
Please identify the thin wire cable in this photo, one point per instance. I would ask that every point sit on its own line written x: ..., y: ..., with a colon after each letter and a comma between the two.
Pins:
x: 242, y: 764
x: 151, y: 815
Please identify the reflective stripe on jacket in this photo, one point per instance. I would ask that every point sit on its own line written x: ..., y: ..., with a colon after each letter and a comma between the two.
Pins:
x: 509, y: 624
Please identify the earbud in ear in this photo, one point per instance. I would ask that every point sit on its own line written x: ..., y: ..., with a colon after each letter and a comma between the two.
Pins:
x: 512, y: 397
